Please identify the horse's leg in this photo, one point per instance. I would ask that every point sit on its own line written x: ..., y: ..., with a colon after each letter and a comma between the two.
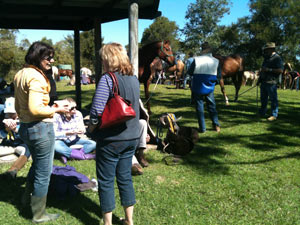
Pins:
x: 223, y: 91
x: 290, y: 81
x: 237, y: 80
x: 146, y: 89
x: 284, y: 82
x: 245, y: 80
x: 147, y: 95
x: 177, y: 84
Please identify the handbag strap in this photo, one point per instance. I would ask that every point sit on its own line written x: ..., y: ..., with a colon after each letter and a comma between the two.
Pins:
x: 115, y: 82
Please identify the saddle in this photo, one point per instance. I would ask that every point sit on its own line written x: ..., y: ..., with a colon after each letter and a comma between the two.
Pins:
x: 179, y: 140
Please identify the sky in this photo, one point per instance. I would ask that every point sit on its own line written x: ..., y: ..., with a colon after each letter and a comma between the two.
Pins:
x: 117, y: 31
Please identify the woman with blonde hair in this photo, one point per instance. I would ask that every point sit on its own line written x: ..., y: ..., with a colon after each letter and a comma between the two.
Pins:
x: 115, y: 145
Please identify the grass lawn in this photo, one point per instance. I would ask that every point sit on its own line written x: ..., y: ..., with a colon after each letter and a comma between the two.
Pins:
x: 247, y: 174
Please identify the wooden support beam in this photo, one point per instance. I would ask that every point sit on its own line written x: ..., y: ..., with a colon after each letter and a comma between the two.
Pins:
x: 133, y: 36
x: 97, y: 42
x: 77, y: 67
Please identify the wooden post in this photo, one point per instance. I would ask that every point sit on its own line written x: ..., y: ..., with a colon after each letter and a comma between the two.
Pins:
x: 133, y: 35
x: 77, y: 67
x: 98, y: 44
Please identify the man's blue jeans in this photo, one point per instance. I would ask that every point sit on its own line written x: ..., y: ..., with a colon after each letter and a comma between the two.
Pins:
x: 268, y: 91
x: 114, y: 159
x: 63, y: 146
x: 39, y: 137
x: 211, y: 107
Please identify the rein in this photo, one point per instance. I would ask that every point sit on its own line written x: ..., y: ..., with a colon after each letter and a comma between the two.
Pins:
x: 153, y: 90
x: 246, y: 91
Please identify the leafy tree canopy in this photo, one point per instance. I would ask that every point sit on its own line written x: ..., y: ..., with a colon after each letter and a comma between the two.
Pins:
x: 202, y: 19
x: 279, y: 22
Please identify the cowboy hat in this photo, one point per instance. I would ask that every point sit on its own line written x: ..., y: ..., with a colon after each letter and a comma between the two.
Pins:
x: 269, y: 45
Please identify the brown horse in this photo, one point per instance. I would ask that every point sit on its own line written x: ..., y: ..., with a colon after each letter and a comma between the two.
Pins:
x: 147, y: 54
x: 177, y: 70
x: 286, y: 76
x: 158, y: 66
x: 232, y: 66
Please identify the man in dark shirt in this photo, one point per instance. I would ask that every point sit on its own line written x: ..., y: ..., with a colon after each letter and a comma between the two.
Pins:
x: 272, y: 67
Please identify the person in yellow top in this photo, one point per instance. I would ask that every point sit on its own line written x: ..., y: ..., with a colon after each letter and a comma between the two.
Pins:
x: 32, y: 89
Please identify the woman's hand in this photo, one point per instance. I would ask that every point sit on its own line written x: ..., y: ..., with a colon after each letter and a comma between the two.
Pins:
x: 91, y: 128
x: 10, y: 124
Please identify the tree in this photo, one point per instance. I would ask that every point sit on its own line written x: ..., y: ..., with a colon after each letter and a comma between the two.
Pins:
x: 202, y: 18
x: 64, y: 51
x: 162, y: 29
x: 25, y: 44
x: 277, y: 21
x: 8, y: 51
x: 47, y: 41
x: 87, y: 49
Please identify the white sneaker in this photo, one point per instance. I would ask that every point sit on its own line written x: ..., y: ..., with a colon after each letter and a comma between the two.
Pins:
x: 96, y: 187
x: 20, y: 150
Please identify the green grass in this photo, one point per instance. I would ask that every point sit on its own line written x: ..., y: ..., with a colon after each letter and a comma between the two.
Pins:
x: 247, y: 174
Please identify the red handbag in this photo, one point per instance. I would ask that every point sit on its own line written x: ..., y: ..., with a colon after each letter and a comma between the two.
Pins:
x: 117, y: 110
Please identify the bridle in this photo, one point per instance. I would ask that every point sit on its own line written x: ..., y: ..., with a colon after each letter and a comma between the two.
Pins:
x: 165, y: 53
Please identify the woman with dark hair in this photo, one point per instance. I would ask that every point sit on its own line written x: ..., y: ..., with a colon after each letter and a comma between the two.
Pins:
x: 52, y: 93
x: 32, y: 89
x: 115, y: 145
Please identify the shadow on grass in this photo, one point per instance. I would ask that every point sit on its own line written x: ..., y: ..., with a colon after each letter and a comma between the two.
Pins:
x: 11, y: 193
x: 78, y: 206
x: 295, y: 155
x: 202, y: 159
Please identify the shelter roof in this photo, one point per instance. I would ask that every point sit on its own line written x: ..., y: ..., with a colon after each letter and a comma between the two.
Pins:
x: 69, y: 14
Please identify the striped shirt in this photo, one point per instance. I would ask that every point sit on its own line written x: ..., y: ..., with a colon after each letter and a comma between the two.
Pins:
x: 103, y: 90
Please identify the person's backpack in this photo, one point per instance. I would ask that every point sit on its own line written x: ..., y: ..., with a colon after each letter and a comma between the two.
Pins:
x: 179, y: 140
x: 11, y: 140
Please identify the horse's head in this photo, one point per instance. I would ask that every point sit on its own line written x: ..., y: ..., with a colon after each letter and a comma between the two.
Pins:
x: 165, y: 52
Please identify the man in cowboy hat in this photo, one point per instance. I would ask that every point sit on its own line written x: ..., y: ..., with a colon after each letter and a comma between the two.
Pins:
x: 205, y: 71
x: 272, y: 67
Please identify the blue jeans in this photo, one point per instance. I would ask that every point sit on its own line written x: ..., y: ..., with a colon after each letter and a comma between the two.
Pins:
x: 39, y: 137
x: 1, y: 107
x: 211, y: 107
x: 114, y: 159
x: 186, y: 79
x: 268, y: 91
x: 63, y: 146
